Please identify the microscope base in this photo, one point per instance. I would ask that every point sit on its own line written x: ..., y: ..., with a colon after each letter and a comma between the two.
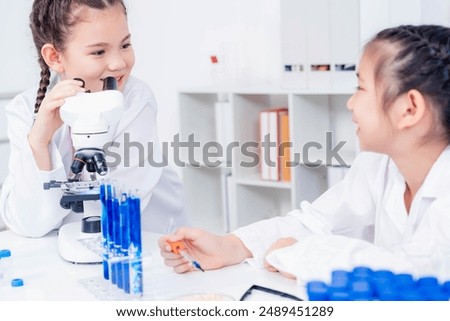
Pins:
x: 71, y: 249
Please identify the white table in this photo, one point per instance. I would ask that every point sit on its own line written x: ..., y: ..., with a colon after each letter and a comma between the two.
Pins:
x: 49, y: 277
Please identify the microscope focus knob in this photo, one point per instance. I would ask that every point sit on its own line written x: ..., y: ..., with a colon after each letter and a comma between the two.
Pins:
x: 91, y: 224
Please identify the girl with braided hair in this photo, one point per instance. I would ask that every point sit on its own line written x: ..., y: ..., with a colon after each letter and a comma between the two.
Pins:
x: 88, y: 40
x: 392, y: 210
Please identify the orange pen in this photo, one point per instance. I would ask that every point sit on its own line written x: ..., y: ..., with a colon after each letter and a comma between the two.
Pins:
x: 178, y: 248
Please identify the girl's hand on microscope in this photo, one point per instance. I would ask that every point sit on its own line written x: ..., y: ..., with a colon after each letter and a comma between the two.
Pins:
x: 211, y: 251
x: 281, y: 243
x: 47, y: 120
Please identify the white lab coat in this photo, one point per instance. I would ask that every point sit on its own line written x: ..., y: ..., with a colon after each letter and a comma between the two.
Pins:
x: 29, y: 210
x: 362, y: 221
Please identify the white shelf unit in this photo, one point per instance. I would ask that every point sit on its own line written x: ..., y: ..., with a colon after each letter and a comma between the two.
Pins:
x: 5, y: 98
x: 221, y: 204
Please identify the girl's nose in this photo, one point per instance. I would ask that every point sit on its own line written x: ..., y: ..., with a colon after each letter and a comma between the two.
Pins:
x: 117, y: 62
x: 350, y: 103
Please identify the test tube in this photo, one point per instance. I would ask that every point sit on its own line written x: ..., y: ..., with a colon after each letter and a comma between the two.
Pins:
x: 125, y: 241
x: 178, y: 248
x: 121, y: 225
x: 5, y: 264
x: 105, y: 233
x: 118, y: 231
x: 135, y: 250
x: 112, y: 204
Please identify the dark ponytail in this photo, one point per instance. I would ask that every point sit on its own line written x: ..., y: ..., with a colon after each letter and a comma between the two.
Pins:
x: 43, y: 84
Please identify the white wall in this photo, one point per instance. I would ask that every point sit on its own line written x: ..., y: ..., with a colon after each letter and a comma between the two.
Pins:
x: 174, y: 40
x: 18, y: 66
x: 380, y: 14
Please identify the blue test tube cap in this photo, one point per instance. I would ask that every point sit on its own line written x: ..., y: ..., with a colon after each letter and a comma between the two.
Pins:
x: 411, y: 295
x: 382, y: 274
x: 428, y: 281
x: 315, y: 284
x: 387, y: 293
x: 338, y: 274
x: 336, y: 295
x: 317, y: 291
x: 437, y: 295
x: 430, y: 288
x: 362, y: 272
x: 5, y: 253
x: 16, y: 283
x: 446, y: 286
x: 339, y: 284
x: 381, y: 280
x: 361, y: 291
x: 404, y: 281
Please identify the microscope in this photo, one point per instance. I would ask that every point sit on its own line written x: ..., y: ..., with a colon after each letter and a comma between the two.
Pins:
x: 89, y: 116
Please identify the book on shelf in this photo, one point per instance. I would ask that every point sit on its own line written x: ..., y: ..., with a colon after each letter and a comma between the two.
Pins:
x: 285, y: 148
x: 274, y: 144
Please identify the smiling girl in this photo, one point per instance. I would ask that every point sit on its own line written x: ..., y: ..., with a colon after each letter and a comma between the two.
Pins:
x: 392, y: 210
x: 88, y: 40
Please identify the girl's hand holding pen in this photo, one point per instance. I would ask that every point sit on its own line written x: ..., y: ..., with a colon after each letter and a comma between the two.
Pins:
x: 211, y: 251
x: 178, y: 248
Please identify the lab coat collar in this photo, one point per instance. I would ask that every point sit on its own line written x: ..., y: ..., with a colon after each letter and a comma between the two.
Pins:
x: 437, y: 181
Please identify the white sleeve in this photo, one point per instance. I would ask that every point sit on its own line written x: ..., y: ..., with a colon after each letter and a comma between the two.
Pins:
x: 315, y: 257
x: 258, y: 237
x: 25, y: 206
x: 348, y: 208
x: 425, y: 252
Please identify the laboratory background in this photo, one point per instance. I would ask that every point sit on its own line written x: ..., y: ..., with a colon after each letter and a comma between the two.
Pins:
x: 216, y: 66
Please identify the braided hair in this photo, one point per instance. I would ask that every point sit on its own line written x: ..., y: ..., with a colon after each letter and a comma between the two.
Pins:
x: 418, y: 58
x: 51, y: 22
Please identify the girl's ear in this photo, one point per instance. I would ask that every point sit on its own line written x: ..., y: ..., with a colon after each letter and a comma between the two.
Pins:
x: 411, y: 109
x: 52, y: 57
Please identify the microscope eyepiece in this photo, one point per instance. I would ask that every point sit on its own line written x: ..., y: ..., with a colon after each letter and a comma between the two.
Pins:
x: 110, y: 83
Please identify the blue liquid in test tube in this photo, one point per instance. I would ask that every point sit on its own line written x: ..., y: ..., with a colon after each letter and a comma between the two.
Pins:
x: 135, y: 250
